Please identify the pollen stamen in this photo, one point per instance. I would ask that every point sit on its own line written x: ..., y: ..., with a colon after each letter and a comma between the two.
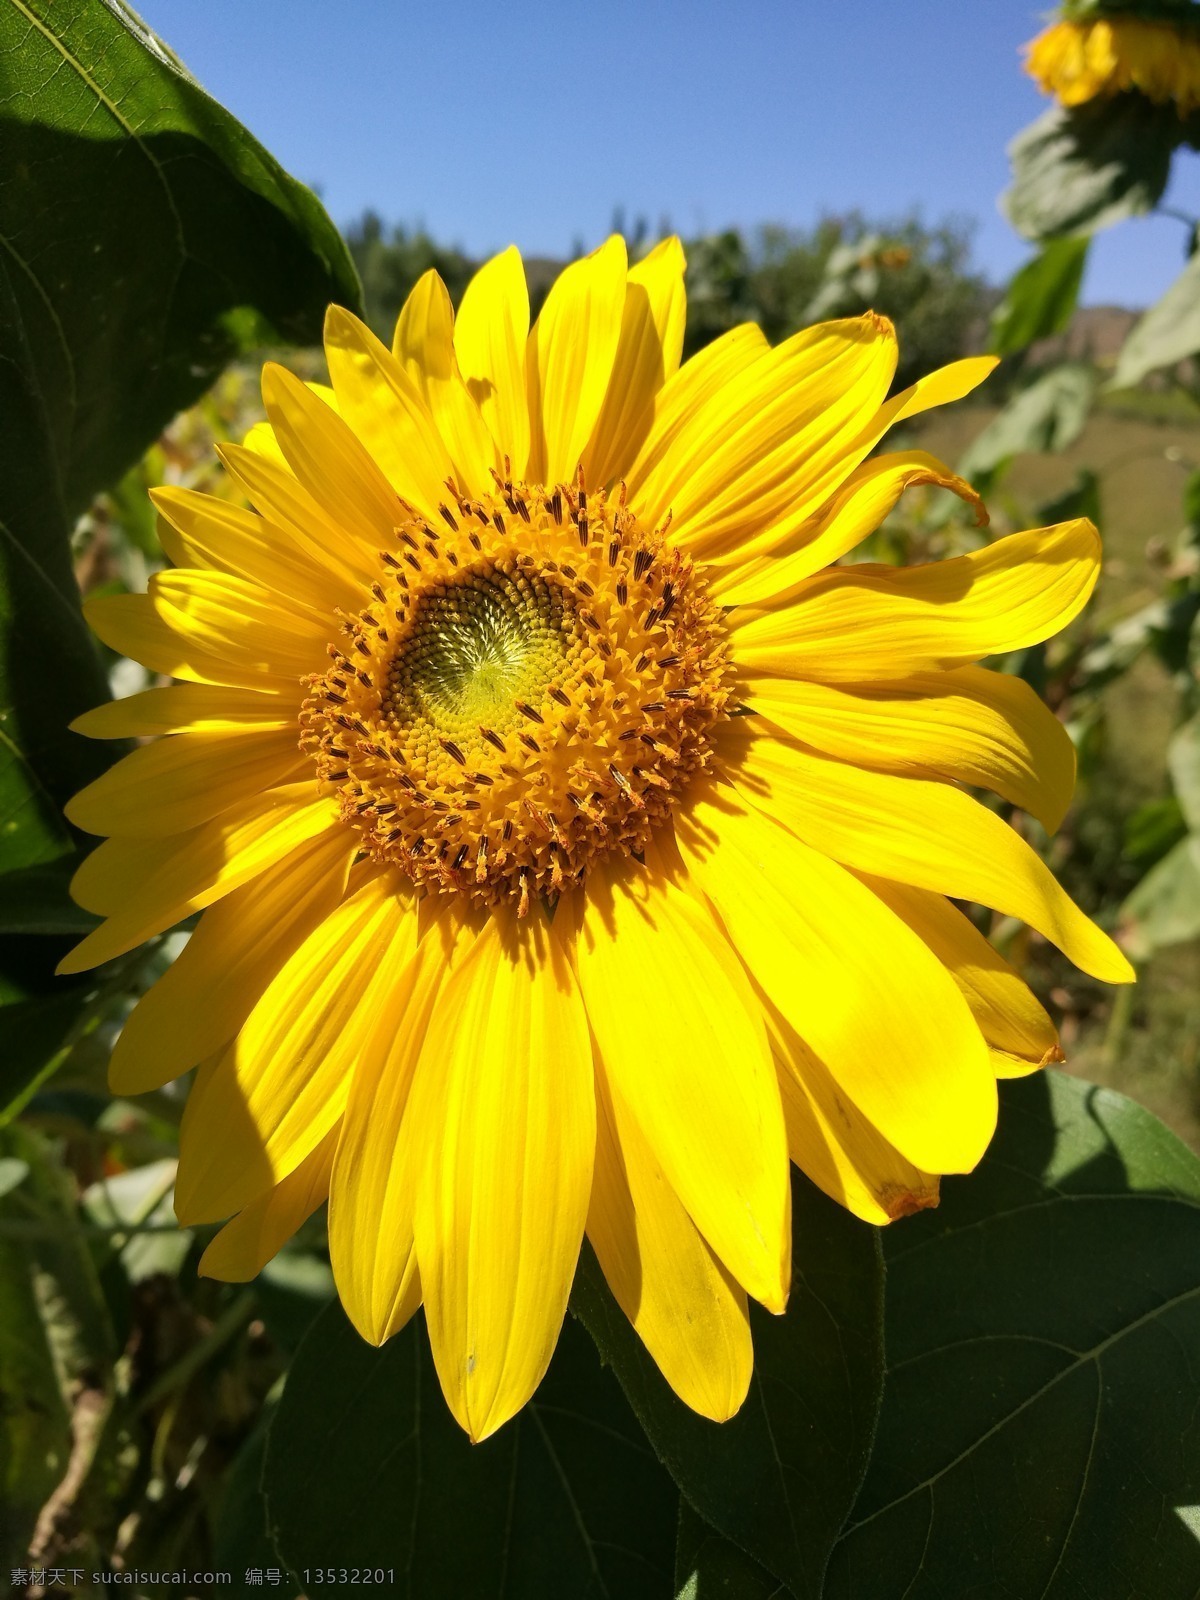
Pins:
x: 519, y: 621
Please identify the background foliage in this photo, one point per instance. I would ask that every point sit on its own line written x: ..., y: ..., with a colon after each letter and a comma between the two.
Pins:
x: 994, y: 1398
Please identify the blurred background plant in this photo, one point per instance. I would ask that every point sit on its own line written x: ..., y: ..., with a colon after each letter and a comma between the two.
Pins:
x: 137, y: 1393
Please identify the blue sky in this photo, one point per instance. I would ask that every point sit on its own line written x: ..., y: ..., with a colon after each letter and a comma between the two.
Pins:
x: 511, y: 121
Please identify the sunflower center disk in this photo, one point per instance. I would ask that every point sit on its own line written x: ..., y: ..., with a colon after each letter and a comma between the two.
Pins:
x: 530, y: 688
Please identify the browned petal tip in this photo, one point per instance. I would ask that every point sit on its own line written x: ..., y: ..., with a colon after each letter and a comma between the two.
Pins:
x: 899, y: 1202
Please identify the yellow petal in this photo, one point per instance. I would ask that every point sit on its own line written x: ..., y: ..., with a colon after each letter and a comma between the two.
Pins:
x: 324, y: 540
x: 200, y: 530
x: 1009, y: 1015
x: 261, y: 439
x: 924, y: 833
x: 689, y: 1312
x: 768, y: 448
x: 238, y: 946
x: 868, y: 495
x: 259, y: 631
x: 840, y: 1150
x: 662, y: 986
x: 371, y: 1243
x: 255, y: 1112
x: 967, y: 724
x: 489, y: 338
x: 387, y: 412
x: 260, y: 1230
x: 186, y: 708
x: 424, y: 347
x: 509, y: 1139
x: 858, y: 623
x: 211, y: 627
x: 648, y: 352
x: 145, y: 628
x: 334, y: 465
x: 854, y: 981
x: 684, y: 396
x: 178, y: 783
x: 569, y: 360
x: 941, y: 388
x: 146, y: 886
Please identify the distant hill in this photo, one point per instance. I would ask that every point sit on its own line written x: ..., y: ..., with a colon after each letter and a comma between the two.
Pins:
x: 1096, y: 333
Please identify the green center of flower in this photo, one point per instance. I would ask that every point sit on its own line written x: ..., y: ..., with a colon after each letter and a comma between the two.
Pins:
x: 478, y: 646
x: 530, y: 688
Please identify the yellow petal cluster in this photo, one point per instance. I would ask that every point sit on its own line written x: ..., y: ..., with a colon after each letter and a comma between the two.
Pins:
x: 577, y: 840
x: 1085, y: 60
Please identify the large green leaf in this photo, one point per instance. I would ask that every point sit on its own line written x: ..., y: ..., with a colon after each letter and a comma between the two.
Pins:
x: 240, y: 1539
x: 779, y: 1479
x: 1164, y: 909
x: 1048, y: 415
x: 709, y: 1567
x: 1040, y: 1434
x: 142, y: 230
x: 1041, y: 297
x: 365, y: 1467
x: 1078, y: 170
x: 1166, y: 334
x: 1183, y: 758
x: 143, y: 234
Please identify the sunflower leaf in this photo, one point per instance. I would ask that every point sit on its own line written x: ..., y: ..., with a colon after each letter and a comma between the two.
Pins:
x: 778, y: 1480
x: 708, y: 1567
x: 142, y: 233
x: 1183, y: 758
x: 1040, y: 299
x: 1039, y: 1432
x: 139, y: 223
x: 365, y: 1467
x: 1082, y: 169
x: 1164, y: 908
x: 1165, y: 335
x: 1047, y: 415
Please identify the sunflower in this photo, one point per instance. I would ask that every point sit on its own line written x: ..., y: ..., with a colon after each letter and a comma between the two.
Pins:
x: 1078, y: 61
x: 575, y: 839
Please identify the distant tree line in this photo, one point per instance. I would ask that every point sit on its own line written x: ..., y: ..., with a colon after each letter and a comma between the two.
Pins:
x: 782, y: 278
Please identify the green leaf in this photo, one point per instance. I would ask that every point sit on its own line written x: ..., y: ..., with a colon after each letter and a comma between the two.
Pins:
x: 1150, y: 831
x: 35, y: 1433
x: 1081, y: 169
x: 137, y: 220
x: 366, y: 1467
x: 36, y: 900
x: 35, y: 1031
x: 1166, y: 334
x: 240, y: 1538
x: 1048, y: 415
x: 56, y: 1343
x: 779, y: 1479
x: 140, y: 228
x: 37, y: 1013
x: 1164, y: 909
x: 1183, y: 758
x: 293, y: 1289
x: 142, y: 1197
x: 1039, y: 1433
x: 708, y: 1567
x: 1041, y: 297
